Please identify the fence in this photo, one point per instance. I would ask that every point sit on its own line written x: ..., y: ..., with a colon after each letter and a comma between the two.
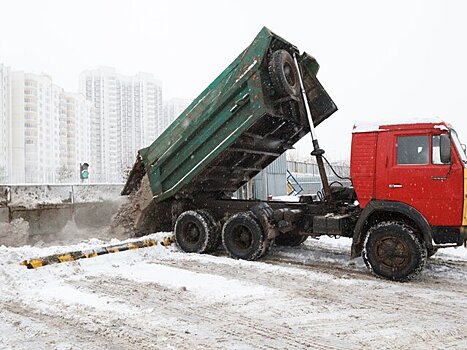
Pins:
x: 307, y: 175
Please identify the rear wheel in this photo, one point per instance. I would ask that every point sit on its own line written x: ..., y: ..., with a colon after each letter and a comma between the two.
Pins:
x: 393, y: 251
x: 215, y: 238
x: 290, y: 239
x: 243, y: 237
x: 194, y: 232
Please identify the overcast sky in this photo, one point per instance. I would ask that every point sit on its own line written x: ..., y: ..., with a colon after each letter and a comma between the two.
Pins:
x: 379, y: 60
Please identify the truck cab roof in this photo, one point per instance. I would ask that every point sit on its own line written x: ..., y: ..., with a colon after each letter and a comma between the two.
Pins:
x: 432, y: 123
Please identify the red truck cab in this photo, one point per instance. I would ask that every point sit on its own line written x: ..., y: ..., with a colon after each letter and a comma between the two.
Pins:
x: 414, y: 175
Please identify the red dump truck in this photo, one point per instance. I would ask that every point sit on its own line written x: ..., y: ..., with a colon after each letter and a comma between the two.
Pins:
x: 409, y: 193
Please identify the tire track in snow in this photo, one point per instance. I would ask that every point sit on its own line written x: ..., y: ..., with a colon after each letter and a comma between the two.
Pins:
x: 414, y: 302
x: 225, y: 318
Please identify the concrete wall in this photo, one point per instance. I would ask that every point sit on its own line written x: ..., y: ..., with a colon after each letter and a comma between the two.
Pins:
x: 38, y: 196
x: 48, y: 208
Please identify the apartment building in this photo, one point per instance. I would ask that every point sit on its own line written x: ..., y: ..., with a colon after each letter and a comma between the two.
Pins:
x: 171, y: 110
x: 75, y: 135
x: 128, y: 117
x: 45, y: 130
x: 5, y: 110
x: 35, y: 128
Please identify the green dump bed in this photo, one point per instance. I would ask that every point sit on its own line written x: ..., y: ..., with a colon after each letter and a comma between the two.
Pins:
x: 246, y: 118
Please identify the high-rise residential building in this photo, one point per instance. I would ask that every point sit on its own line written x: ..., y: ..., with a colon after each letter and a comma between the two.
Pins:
x: 49, y: 131
x: 35, y: 128
x: 46, y: 132
x: 5, y: 119
x: 128, y: 117
x: 75, y: 135
x: 171, y: 110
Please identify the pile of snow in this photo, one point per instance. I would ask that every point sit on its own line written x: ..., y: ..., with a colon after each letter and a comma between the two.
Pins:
x: 372, y: 126
x: 51, y: 283
x: 31, y: 196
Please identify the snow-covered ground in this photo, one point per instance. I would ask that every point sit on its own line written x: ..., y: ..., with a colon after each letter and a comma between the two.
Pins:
x: 295, y: 298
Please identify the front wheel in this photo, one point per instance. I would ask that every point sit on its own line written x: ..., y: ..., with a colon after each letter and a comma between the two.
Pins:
x: 393, y: 251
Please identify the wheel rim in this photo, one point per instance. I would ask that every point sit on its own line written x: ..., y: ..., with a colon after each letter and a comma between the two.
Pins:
x: 242, y: 238
x: 392, y: 253
x: 289, y: 74
x: 192, y: 233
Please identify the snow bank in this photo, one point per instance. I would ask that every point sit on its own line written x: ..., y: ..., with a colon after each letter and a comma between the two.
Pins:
x: 369, y: 126
x: 32, y: 196
x: 52, y: 284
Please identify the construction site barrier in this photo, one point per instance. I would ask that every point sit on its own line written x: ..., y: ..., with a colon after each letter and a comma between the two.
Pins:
x: 91, y: 253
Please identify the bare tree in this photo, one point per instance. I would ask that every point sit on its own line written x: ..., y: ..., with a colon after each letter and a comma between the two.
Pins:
x: 292, y: 155
x: 64, y: 174
x: 3, y: 174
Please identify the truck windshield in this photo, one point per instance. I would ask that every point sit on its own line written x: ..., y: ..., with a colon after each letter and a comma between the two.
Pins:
x: 458, y: 144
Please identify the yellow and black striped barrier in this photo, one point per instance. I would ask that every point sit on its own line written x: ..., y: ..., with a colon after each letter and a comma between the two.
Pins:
x: 91, y: 253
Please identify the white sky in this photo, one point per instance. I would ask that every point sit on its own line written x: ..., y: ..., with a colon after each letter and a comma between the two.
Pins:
x: 379, y: 60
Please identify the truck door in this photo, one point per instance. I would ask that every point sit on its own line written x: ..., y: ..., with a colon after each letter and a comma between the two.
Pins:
x: 411, y: 172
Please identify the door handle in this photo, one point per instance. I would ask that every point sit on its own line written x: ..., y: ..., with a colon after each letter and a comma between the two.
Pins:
x: 439, y: 178
x: 395, y: 186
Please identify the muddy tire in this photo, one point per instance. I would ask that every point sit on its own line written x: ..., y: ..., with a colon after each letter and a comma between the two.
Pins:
x: 267, y: 246
x: 393, y: 251
x: 194, y: 232
x: 214, y: 228
x: 243, y: 237
x: 290, y: 239
x: 284, y: 74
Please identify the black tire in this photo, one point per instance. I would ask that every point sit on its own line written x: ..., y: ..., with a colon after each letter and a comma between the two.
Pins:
x: 290, y: 239
x: 393, y: 251
x: 267, y: 246
x: 284, y: 74
x: 243, y: 237
x: 215, y: 238
x: 193, y: 232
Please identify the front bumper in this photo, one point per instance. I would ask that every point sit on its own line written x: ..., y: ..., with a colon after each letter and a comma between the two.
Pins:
x: 450, y: 235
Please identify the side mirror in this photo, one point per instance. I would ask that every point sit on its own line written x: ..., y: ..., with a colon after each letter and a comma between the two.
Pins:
x: 464, y: 148
x: 445, y: 149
